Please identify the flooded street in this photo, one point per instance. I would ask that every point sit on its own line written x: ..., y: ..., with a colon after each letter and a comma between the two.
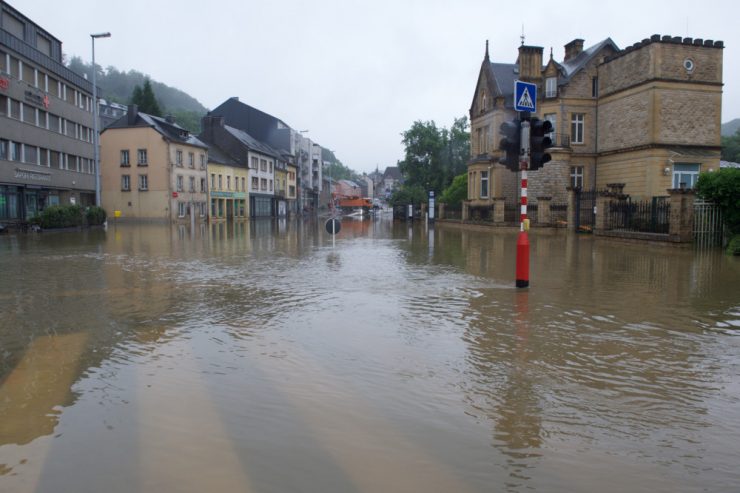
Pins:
x: 259, y: 357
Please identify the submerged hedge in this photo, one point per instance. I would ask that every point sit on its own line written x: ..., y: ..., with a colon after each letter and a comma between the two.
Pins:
x: 69, y: 216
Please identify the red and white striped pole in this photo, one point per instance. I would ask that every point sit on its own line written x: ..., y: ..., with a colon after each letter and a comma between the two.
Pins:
x: 522, y: 243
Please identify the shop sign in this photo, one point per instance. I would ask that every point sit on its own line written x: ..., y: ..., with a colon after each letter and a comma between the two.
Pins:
x: 24, y: 174
x: 223, y: 195
x: 4, y: 83
x: 37, y: 98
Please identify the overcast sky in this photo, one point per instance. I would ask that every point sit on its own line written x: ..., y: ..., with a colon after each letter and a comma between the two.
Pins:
x: 356, y: 74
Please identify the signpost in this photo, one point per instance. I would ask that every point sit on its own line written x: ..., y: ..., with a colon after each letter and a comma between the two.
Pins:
x: 525, y: 101
x: 525, y: 96
x: 430, y: 216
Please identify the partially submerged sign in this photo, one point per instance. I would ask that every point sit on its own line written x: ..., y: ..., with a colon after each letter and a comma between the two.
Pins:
x: 333, y: 226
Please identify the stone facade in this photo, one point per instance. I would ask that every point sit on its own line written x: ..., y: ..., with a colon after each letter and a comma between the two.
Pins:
x: 644, y: 116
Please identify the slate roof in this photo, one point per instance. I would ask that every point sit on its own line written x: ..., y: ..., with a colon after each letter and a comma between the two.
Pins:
x: 219, y: 156
x: 504, y: 74
x: 574, y: 65
x: 392, y: 172
x: 171, y: 131
x: 262, y: 126
x: 252, y: 143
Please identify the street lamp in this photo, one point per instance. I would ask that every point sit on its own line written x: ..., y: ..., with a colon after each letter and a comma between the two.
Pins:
x: 96, y: 134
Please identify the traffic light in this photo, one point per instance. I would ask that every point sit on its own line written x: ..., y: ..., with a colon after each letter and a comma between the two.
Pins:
x: 511, y: 144
x: 539, y: 142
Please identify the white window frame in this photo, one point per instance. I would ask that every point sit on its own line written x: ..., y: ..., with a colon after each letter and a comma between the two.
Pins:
x: 576, y: 177
x: 551, y: 87
x: 577, y: 128
x: 686, y: 173
x: 143, y: 183
x: 126, y: 183
x: 484, y: 179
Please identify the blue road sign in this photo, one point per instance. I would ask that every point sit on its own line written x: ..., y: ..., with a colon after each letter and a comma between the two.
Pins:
x: 525, y: 96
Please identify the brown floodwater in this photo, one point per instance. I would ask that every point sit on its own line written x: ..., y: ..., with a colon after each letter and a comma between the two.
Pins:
x: 261, y: 357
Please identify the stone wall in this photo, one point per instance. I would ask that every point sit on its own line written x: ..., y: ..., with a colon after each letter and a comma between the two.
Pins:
x: 689, y: 113
x: 625, y: 122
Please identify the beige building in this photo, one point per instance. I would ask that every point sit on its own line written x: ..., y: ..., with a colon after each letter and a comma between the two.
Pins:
x: 228, y: 184
x: 153, y: 169
x: 647, y: 116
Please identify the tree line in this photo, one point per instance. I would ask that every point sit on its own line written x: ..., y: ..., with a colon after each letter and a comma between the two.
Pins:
x: 129, y: 88
x: 435, y: 159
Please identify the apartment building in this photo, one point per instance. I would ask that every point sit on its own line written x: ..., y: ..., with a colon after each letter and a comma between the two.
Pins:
x: 46, y: 123
x: 249, y: 153
x: 153, y: 169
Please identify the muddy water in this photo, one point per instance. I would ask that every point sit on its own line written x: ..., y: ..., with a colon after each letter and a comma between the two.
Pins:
x: 260, y: 358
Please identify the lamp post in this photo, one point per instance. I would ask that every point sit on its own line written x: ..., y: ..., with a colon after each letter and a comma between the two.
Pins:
x: 96, y: 130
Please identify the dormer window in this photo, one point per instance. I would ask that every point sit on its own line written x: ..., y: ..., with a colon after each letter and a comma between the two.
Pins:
x: 551, y: 87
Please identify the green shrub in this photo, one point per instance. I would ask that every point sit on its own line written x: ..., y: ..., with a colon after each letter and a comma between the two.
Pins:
x: 733, y: 248
x: 95, y: 215
x: 61, y: 216
x: 723, y: 188
x: 457, y: 191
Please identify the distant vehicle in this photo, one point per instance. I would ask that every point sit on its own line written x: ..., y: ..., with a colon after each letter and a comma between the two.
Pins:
x: 354, y: 204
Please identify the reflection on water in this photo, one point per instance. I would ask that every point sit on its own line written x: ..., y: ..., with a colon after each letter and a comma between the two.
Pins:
x: 256, y: 356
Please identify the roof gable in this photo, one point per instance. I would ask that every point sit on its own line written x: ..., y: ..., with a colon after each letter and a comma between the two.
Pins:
x: 570, y: 68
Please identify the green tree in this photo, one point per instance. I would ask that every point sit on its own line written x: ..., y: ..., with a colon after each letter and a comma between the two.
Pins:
x: 144, y: 98
x: 723, y: 188
x: 433, y: 155
x: 409, y: 194
x: 189, y: 120
x: 459, y: 146
x: 457, y: 191
x: 731, y: 148
x: 422, y: 164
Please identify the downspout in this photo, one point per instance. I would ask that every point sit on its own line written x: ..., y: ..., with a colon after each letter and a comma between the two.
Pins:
x: 596, y: 127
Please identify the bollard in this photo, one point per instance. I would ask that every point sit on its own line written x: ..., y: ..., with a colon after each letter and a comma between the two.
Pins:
x: 522, y: 260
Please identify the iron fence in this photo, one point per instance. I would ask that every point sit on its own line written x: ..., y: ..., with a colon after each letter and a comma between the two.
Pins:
x: 511, y: 213
x: 482, y: 213
x: 647, y: 216
x: 453, y: 212
x: 708, y: 224
x: 585, y: 216
x: 559, y: 213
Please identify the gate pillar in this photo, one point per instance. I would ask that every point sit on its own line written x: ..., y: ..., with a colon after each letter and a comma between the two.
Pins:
x: 681, y: 219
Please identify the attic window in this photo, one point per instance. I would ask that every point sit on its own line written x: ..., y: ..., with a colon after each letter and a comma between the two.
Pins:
x: 551, y: 87
x: 483, y: 101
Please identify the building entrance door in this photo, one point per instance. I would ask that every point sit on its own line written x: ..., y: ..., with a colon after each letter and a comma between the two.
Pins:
x: 30, y: 203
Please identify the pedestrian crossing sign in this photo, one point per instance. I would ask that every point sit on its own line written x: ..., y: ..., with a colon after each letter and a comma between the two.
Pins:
x: 525, y: 96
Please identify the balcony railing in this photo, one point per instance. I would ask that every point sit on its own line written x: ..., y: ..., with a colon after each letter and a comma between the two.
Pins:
x: 560, y: 140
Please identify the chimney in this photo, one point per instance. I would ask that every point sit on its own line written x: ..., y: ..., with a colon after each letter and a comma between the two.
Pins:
x: 573, y: 49
x: 530, y: 62
x: 132, y: 114
x: 209, y: 123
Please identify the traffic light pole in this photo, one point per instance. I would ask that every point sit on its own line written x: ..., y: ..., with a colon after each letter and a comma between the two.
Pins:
x: 522, y: 244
